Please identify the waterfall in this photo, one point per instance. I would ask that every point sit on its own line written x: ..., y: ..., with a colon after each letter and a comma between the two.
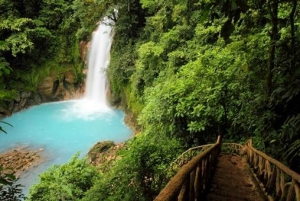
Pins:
x: 94, y: 101
x: 98, y: 60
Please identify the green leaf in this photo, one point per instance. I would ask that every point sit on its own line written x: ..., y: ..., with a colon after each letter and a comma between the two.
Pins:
x: 204, y: 15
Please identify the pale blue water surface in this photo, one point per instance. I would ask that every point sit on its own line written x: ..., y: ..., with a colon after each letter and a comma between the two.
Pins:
x: 61, y: 129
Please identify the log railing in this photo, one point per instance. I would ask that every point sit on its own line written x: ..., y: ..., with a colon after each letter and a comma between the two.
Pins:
x: 232, y: 148
x: 192, y: 179
x: 279, y: 182
x: 188, y: 155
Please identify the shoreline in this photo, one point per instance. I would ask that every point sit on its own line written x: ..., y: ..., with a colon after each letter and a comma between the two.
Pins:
x: 18, y: 160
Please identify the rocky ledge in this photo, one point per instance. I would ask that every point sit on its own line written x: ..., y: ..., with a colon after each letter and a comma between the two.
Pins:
x: 103, y: 154
x: 19, y: 160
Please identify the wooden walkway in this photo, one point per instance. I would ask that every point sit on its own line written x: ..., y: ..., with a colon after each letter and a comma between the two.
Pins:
x: 228, y: 177
x: 232, y: 181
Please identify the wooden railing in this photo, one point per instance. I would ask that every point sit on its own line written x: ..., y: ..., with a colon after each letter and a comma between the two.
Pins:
x: 188, y: 155
x: 192, y: 179
x: 279, y: 182
x: 232, y: 148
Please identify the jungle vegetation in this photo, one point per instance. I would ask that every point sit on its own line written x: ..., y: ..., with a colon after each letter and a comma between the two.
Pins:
x: 189, y: 70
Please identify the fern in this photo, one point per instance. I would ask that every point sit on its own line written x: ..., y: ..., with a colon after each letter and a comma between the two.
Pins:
x: 293, y: 151
x: 291, y: 127
x: 290, y: 130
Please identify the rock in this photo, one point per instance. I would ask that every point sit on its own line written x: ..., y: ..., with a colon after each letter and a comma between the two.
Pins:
x: 48, y: 89
x: 26, y: 94
x: 59, y: 91
x: 69, y: 77
x: 103, y: 154
x: 4, y: 112
x: 34, y: 99
x: 52, y: 88
x: 19, y: 160
x: 84, y: 46
x: 102, y: 146
x: 23, y: 103
x: 11, y: 105
x: 16, y: 108
x: 17, y: 97
x: 45, y: 88
x: 37, y: 99
x: 131, y: 121
x: 85, y: 71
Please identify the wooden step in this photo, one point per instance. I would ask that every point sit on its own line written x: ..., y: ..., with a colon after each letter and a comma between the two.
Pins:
x: 223, y: 198
x: 237, y: 192
x: 232, y: 181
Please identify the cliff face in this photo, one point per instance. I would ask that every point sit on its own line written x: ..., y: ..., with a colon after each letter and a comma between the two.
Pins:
x: 50, y: 89
x: 54, y: 87
x: 64, y: 88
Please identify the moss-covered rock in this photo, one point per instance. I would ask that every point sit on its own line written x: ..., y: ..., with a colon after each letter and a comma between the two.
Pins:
x: 104, y: 154
x: 101, y: 147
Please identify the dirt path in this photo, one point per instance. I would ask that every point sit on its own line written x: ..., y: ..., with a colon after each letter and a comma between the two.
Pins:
x: 232, y: 181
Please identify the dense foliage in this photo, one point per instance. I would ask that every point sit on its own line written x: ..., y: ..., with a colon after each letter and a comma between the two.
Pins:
x: 188, y: 69
x: 39, y: 39
x: 141, y: 172
x: 197, y: 69
x: 9, y: 190
x: 66, y: 182
x: 205, y: 68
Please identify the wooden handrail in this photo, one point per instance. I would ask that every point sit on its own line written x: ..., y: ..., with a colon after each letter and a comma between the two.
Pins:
x: 279, y: 181
x: 186, y: 156
x: 284, y: 168
x: 232, y: 148
x: 193, y: 177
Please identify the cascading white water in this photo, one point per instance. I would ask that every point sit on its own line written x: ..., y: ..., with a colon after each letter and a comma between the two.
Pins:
x: 98, y: 60
x: 94, y: 101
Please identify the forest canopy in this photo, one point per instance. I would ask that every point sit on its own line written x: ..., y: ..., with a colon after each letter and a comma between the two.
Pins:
x: 38, y: 38
x: 205, y: 68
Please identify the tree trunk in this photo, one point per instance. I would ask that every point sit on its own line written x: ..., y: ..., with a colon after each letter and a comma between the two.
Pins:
x: 273, y: 11
x: 293, y: 37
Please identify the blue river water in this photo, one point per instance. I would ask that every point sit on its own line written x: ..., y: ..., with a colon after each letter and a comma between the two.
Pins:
x: 60, y: 130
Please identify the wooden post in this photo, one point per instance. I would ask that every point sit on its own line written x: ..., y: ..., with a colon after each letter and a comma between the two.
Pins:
x: 197, y: 184
x: 272, y: 181
x: 192, y: 186
x: 291, y: 193
x: 184, y: 192
x: 297, y: 190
